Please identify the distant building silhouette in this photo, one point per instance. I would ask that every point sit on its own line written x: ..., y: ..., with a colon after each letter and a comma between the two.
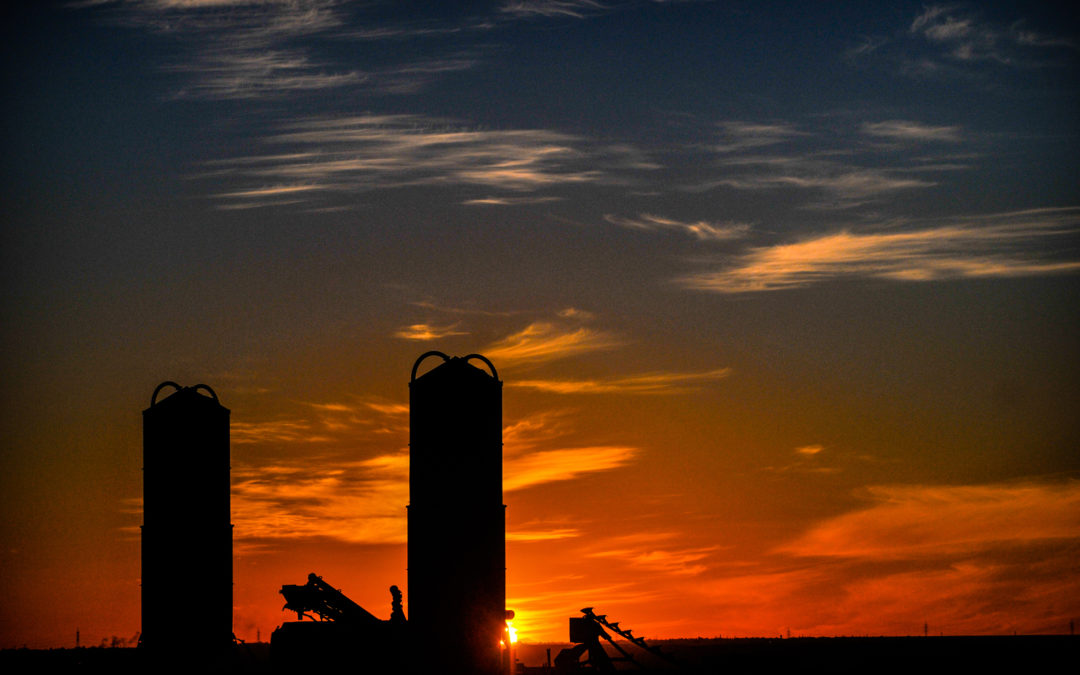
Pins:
x: 457, y: 521
x: 187, y: 581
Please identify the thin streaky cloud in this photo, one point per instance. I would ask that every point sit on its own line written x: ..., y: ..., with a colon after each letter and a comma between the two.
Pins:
x: 867, y: 45
x: 837, y: 173
x: 648, y: 383
x: 531, y: 535
x: 356, y: 502
x: 240, y: 74
x: 845, y: 183
x: 1037, y: 39
x: 964, y: 37
x: 907, y: 521
x: 546, y: 466
x: 509, y: 201
x: 424, y: 332
x: 575, y: 313
x: 278, y: 431
x: 388, y: 408
x: 701, y: 230
x: 367, y: 152
x: 545, y: 341
x: 998, y: 245
x: 906, y: 130
x: 667, y: 561
x: 463, y: 311
x: 244, y: 49
x: 272, y: 191
x: 535, y: 431
x: 738, y: 135
x: 251, y: 50
x: 333, y: 407
x: 551, y: 8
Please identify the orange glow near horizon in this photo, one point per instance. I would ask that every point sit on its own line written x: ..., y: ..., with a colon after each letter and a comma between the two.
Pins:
x: 842, y: 545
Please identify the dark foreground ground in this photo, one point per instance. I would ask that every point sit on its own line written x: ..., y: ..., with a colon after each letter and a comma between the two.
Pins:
x: 798, y: 656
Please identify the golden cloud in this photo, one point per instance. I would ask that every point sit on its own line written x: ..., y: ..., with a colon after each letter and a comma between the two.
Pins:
x: 543, y: 341
x: 647, y: 383
x: 546, y: 466
x: 424, y: 332
x: 999, y: 245
x: 918, y: 520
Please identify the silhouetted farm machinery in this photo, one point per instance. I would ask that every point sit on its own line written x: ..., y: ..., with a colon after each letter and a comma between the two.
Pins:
x: 317, y: 597
x: 585, y: 633
x: 340, y: 631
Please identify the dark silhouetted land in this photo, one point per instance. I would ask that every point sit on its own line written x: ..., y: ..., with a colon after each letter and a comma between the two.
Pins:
x: 977, y: 655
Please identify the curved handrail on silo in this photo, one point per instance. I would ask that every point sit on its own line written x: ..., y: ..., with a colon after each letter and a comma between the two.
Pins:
x: 168, y: 383
x: 207, y: 388
x: 422, y: 357
x: 485, y: 360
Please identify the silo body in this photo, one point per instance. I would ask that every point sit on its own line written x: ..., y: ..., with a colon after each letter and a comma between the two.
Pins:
x: 186, y: 534
x: 457, y: 521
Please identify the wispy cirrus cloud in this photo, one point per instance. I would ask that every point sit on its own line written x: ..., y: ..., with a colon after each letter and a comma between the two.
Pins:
x: 551, y: 8
x: 332, y: 424
x: 907, y: 130
x: 280, y: 431
x: 645, y: 383
x: 464, y: 311
x: 914, y: 521
x: 970, y: 559
x: 546, y: 466
x: 680, y: 561
x: 538, y: 449
x: 539, y: 531
x: 364, y: 501
x: 960, y: 37
x: 546, y: 341
x: 813, y: 459
x: 842, y: 182
x: 423, y: 332
x: 318, y: 490
x: 366, y: 152
x: 265, y: 49
x: 237, y: 73
x: 962, y: 32
x: 843, y: 169
x: 701, y: 230
x: 738, y: 136
x: 998, y: 245
x: 238, y: 49
x: 510, y: 201
x: 352, y: 501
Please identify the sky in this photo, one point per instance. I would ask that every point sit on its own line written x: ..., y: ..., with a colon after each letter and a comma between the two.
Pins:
x: 784, y: 297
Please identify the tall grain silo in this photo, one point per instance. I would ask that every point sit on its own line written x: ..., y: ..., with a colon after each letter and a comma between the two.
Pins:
x: 187, y: 581
x: 457, y: 521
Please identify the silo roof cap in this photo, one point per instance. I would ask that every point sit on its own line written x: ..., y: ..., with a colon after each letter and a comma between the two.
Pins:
x: 184, y: 395
x: 456, y: 366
